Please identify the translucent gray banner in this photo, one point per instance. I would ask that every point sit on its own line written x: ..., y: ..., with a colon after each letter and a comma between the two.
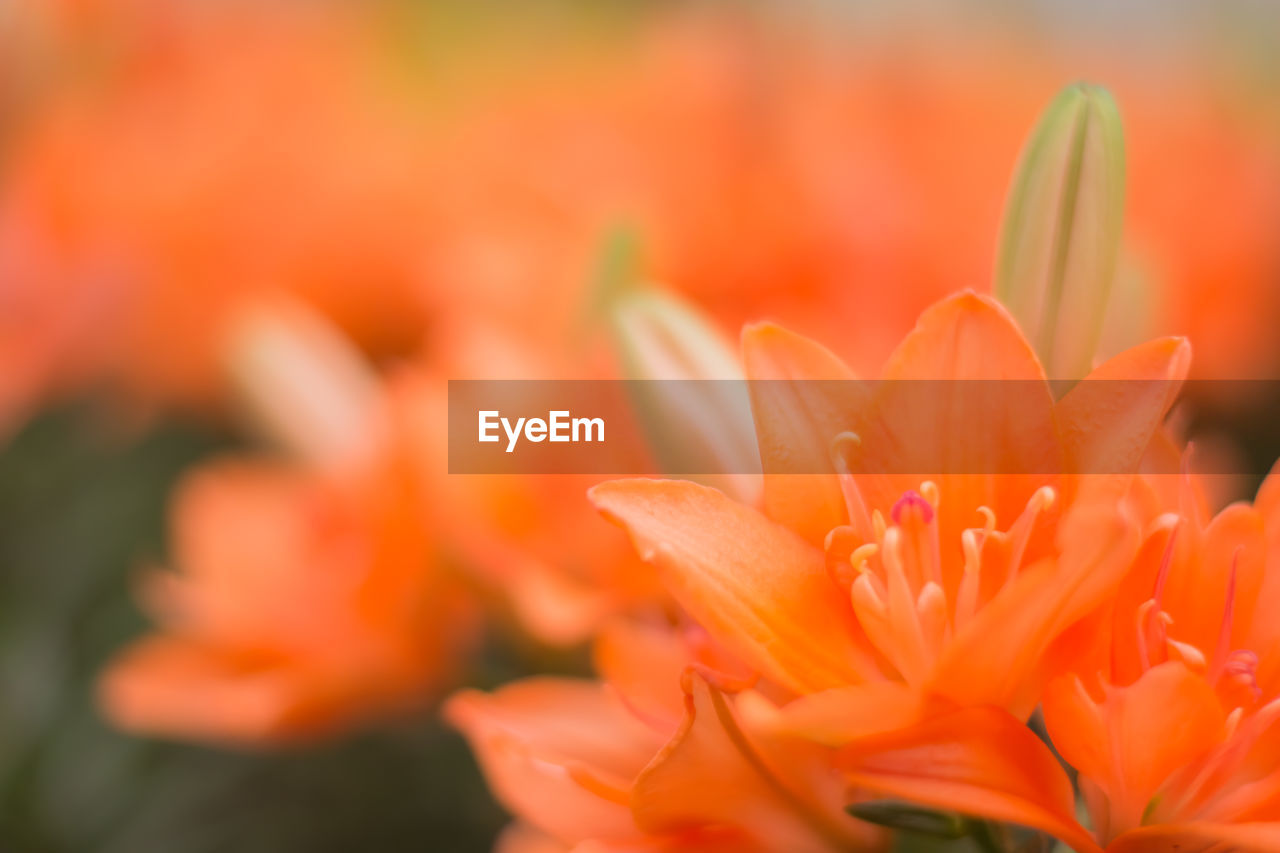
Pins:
x: 715, y: 427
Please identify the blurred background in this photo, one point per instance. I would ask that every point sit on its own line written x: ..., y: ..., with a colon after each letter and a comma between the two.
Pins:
x: 436, y: 184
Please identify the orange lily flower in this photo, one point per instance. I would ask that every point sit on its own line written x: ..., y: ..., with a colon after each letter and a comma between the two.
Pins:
x: 657, y: 758
x: 888, y: 610
x: 963, y: 337
x: 1171, y: 723
x: 310, y: 596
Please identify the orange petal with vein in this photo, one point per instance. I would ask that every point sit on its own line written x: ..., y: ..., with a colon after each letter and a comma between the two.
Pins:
x: 1108, y: 420
x: 797, y: 418
x: 1133, y: 740
x: 754, y: 584
x: 977, y: 761
x: 1003, y: 422
x: 1200, y: 838
x: 994, y: 657
x: 561, y: 754
x: 644, y: 663
x: 965, y: 336
x: 843, y: 715
x: 712, y: 774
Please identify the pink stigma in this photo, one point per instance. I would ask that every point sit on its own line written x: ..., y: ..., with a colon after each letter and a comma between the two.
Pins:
x: 911, y: 500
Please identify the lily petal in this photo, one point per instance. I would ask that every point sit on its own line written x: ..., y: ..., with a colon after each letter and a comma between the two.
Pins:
x: 1129, y: 743
x: 711, y: 774
x: 522, y: 838
x: 967, y: 365
x: 1200, y: 838
x: 559, y: 753
x: 979, y: 761
x: 756, y: 586
x: 1266, y: 632
x: 994, y: 657
x: 644, y: 664
x: 173, y: 687
x: 798, y: 390
x: 1108, y: 419
x: 1196, y: 593
x: 965, y: 336
x: 839, y: 717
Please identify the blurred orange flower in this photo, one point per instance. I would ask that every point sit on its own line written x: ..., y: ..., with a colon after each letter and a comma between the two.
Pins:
x: 772, y: 171
x: 539, y: 544
x: 535, y: 541
x: 312, y: 594
x: 199, y: 156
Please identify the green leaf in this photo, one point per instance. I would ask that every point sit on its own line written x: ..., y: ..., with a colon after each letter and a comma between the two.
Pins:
x: 910, y: 818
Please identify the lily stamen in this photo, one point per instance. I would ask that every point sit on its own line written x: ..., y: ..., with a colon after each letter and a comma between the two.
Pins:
x: 838, y: 548
x: 855, y: 505
x: 1223, y: 647
x: 971, y: 541
x: 1020, y: 533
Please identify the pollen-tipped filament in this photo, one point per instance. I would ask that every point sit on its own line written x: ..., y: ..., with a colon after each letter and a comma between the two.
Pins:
x: 895, y: 570
x: 1232, y: 672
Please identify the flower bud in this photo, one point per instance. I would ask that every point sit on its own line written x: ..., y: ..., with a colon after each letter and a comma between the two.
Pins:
x: 690, y: 426
x: 304, y: 385
x: 1061, y: 232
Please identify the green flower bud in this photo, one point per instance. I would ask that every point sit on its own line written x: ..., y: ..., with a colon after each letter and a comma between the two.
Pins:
x: 659, y: 337
x: 1062, y: 227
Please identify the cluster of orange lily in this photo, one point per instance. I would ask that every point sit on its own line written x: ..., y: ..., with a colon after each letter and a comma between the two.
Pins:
x: 847, y: 648
x: 787, y: 662
x: 803, y: 664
